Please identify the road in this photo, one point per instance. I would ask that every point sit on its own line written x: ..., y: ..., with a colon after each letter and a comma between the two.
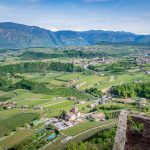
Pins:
x: 71, y: 137
x: 54, y: 103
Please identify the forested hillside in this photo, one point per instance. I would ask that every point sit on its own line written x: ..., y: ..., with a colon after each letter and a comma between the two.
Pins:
x: 14, y: 35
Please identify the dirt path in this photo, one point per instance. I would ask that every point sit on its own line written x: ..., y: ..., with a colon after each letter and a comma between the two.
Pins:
x: 54, y: 103
x: 71, y: 137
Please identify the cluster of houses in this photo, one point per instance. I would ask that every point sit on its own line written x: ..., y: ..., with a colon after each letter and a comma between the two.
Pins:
x: 8, y: 105
x: 11, y: 105
x: 103, y: 100
x: 72, y: 118
x: 147, y: 72
x: 71, y: 82
x: 143, y: 60
x: 72, y: 115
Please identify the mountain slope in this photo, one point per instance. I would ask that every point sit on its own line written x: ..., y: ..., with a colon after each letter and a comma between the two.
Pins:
x: 14, y: 35
x: 17, y: 35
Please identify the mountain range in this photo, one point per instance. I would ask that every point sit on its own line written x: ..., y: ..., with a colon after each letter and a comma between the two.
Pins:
x: 13, y: 35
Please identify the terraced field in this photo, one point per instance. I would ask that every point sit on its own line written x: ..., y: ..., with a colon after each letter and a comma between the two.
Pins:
x: 10, y: 124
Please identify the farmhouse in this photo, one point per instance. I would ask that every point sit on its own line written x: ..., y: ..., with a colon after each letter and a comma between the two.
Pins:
x: 72, y: 98
x: 8, y: 105
x: 73, y: 114
x: 147, y: 72
x: 98, y: 116
x: 81, y: 102
x: 38, y: 108
x: 93, y: 105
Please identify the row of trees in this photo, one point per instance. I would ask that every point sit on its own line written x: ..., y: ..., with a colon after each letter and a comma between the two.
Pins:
x: 26, y: 84
x: 38, y: 67
x: 4, y: 82
x: 120, y: 66
x: 94, y: 91
x: 132, y: 90
x: 66, y: 53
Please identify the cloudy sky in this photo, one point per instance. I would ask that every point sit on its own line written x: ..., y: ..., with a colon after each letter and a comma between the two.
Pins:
x: 116, y: 15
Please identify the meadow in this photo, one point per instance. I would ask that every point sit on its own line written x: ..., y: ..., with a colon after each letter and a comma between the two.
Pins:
x: 10, y: 124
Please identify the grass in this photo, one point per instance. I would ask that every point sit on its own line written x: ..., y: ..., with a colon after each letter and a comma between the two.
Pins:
x: 82, y: 137
x: 85, y: 126
x: 69, y: 76
x: 117, y: 79
x: 8, y: 113
x: 56, y: 110
x: 2, y: 93
x: 30, y: 99
x: 18, y: 120
x: 62, y: 92
x: 4, y: 130
x: 16, y: 138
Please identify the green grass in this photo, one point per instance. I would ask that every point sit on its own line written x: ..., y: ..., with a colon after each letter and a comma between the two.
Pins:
x: 16, y: 138
x: 30, y: 99
x: 62, y: 92
x: 10, y: 112
x: 89, y: 81
x: 56, y: 109
x: 85, y: 126
x: 120, y: 78
x: 69, y: 76
x: 4, y: 130
x: 2, y: 93
x: 11, y: 123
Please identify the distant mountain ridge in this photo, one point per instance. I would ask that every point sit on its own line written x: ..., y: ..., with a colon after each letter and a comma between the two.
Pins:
x: 13, y: 35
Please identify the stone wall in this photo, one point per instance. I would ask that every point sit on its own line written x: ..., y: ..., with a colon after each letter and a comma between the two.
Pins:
x: 121, y: 131
x: 138, y: 140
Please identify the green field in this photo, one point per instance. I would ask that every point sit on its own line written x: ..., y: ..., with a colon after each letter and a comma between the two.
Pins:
x: 85, y: 126
x: 10, y: 124
x: 31, y: 82
x: 16, y: 138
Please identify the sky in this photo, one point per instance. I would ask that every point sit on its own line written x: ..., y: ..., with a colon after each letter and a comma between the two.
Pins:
x: 80, y: 15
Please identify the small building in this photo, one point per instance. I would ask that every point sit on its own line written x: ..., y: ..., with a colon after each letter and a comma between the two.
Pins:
x: 8, y: 105
x: 68, y: 124
x: 70, y: 117
x: 72, y: 114
x: 72, y: 98
x: 24, y: 107
x: 74, y: 110
x: 81, y: 102
x: 147, y: 72
x: 38, y: 108
x: 98, y: 116
x: 93, y: 105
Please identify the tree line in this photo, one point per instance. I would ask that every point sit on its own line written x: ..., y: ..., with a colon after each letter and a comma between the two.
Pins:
x: 65, y: 53
x: 132, y: 90
x: 38, y: 67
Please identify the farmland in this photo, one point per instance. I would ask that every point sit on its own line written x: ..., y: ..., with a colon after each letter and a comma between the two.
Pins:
x: 18, y: 120
x: 35, y: 92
